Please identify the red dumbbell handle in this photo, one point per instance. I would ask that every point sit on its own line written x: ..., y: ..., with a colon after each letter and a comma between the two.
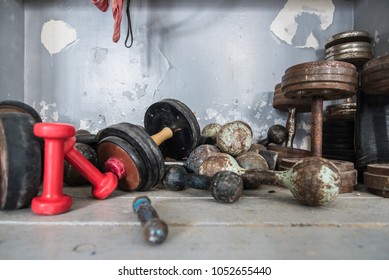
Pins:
x: 103, y: 184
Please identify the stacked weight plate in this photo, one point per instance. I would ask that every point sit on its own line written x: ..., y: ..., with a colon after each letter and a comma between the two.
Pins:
x: 318, y: 81
x: 338, y: 132
x: 350, y: 46
x: 376, y: 179
x: 346, y: 169
x: 375, y: 75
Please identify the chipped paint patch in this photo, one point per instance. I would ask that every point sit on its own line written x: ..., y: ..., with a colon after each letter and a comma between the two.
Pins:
x: 376, y: 37
x: 57, y: 35
x: 47, y: 111
x: 285, y: 26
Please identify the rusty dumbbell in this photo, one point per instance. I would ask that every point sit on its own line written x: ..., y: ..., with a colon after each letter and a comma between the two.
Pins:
x: 313, y: 181
x: 319, y: 81
x: 155, y: 230
x: 225, y: 186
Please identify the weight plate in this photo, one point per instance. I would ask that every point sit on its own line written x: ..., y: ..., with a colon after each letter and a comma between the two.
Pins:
x: 177, y: 116
x: 329, y: 139
x: 375, y: 77
x: 20, y: 161
x: 18, y: 106
x: 341, y: 132
x: 338, y: 147
x: 144, y: 145
x: 356, y: 58
x: 292, y: 80
x: 378, y: 169
x: 378, y: 182
x: 341, y: 123
x: 376, y: 64
x: 136, y: 174
x: 321, y: 67
x: 324, y: 90
x: 348, y: 36
x: 349, y: 47
x: 282, y: 103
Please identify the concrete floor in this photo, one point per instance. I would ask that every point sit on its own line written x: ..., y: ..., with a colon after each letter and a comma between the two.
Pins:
x: 260, y: 225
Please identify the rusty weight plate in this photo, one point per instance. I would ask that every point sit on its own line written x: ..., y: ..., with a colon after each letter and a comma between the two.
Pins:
x: 348, y: 36
x: 283, y: 103
x: 376, y: 64
x: 377, y: 184
x: 340, y: 82
x: 343, y: 111
x: 349, y: 47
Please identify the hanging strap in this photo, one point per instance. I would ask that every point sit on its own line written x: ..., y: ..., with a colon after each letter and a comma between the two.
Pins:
x: 129, y: 29
x: 102, y: 5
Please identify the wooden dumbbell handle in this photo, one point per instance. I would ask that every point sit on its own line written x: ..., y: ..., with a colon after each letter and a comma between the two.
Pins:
x: 165, y: 134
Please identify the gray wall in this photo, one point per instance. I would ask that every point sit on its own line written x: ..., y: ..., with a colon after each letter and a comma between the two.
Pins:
x: 11, y: 50
x: 373, y: 16
x: 222, y: 58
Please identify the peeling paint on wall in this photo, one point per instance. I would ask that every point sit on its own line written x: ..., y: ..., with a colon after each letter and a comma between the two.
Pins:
x: 47, y: 111
x: 57, y: 35
x: 285, y: 25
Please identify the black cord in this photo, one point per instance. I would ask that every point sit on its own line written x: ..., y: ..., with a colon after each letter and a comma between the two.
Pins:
x: 129, y: 30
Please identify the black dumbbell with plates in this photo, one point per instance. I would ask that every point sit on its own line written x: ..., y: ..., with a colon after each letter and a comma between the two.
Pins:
x: 21, y: 155
x: 171, y: 131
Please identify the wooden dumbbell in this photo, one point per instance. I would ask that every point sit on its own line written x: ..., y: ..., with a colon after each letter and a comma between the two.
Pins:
x: 319, y: 81
x: 225, y: 186
x: 155, y: 230
x: 21, y: 159
x: 313, y: 181
x: 171, y: 130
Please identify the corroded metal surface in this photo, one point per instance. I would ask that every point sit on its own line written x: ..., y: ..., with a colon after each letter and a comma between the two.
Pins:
x: 276, y: 134
x: 348, y: 36
x: 210, y: 131
x: 346, y: 169
x: 155, y: 230
x: 341, y: 80
x: 376, y: 179
x: 341, y: 111
x: 313, y: 181
x: 286, y: 152
x: 226, y: 186
x: 234, y: 138
x: 283, y: 103
x: 198, y: 155
x: 378, y: 169
x: 220, y: 162
x: 252, y: 160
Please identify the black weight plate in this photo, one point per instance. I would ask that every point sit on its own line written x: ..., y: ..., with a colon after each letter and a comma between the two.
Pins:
x: 339, y: 147
x: 136, y: 175
x: 338, y: 130
x: 71, y: 176
x: 178, y: 117
x: 144, y: 145
x: 330, y: 139
x: 339, y: 123
x: 18, y: 106
x: 20, y: 161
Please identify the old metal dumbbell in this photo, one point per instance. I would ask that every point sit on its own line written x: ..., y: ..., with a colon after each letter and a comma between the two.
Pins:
x: 313, y: 181
x: 155, y: 230
x: 319, y: 81
x: 59, y: 139
x: 174, y: 134
x: 276, y: 134
x: 225, y: 186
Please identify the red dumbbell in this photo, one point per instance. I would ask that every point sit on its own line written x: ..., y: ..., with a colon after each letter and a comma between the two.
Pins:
x: 59, y: 140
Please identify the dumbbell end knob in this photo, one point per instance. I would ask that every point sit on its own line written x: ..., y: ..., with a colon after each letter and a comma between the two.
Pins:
x: 106, y: 187
x: 138, y: 201
x: 42, y: 205
x: 116, y: 166
x: 155, y: 231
